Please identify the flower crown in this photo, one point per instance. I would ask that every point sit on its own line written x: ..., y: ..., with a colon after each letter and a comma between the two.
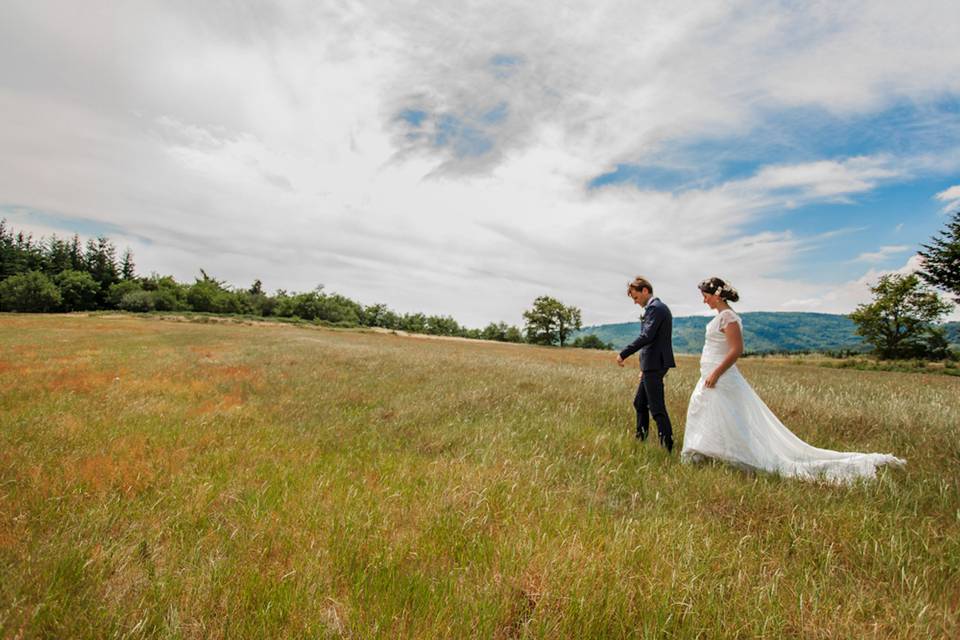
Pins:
x: 708, y: 286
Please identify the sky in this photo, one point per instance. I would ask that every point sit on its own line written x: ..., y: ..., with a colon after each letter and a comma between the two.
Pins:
x: 462, y: 158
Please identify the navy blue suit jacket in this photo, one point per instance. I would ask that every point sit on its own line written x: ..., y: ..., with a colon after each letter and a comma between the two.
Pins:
x: 655, y: 342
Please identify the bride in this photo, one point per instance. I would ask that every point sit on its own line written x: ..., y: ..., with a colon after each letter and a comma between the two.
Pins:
x: 727, y: 420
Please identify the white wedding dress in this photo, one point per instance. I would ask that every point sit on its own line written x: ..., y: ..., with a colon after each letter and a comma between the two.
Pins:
x: 732, y: 424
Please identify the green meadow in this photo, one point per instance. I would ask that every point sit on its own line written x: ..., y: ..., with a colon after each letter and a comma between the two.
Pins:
x: 164, y: 479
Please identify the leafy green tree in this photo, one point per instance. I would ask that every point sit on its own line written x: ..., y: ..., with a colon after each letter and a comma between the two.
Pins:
x: 306, y: 305
x: 513, y: 334
x: 938, y: 345
x: 258, y: 304
x: 78, y: 290
x: 30, y: 292
x: 941, y: 259
x: 316, y: 305
x: 443, y: 326
x: 282, y: 304
x: 494, y: 331
x: 501, y: 332
x: 591, y: 341
x: 379, y: 315
x: 901, y: 320
x: 414, y: 322
x: 550, y: 322
x: 338, y: 309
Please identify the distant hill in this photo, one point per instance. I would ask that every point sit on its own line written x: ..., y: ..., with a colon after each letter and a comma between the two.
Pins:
x: 764, y: 331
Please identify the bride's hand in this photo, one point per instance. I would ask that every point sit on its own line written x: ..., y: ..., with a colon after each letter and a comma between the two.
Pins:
x: 711, y: 380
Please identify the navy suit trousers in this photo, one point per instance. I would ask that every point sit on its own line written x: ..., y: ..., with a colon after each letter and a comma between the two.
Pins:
x: 649, y: 400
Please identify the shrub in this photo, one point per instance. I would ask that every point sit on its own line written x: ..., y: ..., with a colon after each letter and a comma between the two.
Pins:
x: 166, y: 300
x: 202, y: 296
x: 78, y: 290
x: 168, y: 294
x: 501, y: 332
x: 138, y: 301
x: 591, y: 342
x: 30, y: 292
x: 118, y: 290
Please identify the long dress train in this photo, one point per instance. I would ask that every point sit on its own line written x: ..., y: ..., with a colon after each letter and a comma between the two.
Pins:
x: 732, y: 424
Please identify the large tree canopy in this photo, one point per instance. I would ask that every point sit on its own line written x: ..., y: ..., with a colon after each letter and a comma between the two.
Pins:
x: 550, y: 321
x: 901, y: 320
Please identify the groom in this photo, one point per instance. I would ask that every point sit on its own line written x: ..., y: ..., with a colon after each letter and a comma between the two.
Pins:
x: 656, y: 357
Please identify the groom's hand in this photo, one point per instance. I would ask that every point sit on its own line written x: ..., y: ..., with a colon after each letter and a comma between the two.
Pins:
x: 619, y: 360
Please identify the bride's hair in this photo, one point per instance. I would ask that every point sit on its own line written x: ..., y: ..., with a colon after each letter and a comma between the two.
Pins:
x: 719, y: 287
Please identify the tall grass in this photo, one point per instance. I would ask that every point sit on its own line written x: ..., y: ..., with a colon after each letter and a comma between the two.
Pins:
x: 179, y: 480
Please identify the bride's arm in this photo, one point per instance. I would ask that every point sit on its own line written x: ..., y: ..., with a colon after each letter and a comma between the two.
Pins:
x: 734, y: 351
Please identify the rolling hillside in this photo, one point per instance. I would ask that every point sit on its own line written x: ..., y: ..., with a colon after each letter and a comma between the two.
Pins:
x: 764, y: 331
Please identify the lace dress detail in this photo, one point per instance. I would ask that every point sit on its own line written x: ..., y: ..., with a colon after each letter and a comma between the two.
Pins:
x: 732, y: 424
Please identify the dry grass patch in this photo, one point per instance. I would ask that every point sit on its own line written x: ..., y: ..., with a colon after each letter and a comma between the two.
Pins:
x: 272, y: 481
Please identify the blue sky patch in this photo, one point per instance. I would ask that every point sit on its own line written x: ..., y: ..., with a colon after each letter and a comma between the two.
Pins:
x: 901, y: 214
x: 504, y: 65
x: 465, y: 138
x: 645, y: 177
x: 496, y: 115
x: 413, y: 117
x: 68, y: 224
x: 794, y: 136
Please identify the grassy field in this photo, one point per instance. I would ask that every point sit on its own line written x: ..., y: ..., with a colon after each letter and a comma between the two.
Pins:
x: 188, y: 480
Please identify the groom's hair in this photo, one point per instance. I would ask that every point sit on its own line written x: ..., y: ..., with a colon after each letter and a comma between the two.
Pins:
x: 639, y: 284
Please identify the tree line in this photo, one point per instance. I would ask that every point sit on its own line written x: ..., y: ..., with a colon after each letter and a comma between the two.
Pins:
x: 903, y: 321
x: 49, y: 275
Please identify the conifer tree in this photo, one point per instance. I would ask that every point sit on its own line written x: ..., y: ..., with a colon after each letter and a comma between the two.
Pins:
x: 127, y: 267
x: 941, y: 260
x: 77, y: 263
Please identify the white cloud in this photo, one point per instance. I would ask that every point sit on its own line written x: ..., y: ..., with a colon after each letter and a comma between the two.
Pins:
x: 825, y: 178
x: 265, y: 141
x: 882, y: 253
x: 951, y: 196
